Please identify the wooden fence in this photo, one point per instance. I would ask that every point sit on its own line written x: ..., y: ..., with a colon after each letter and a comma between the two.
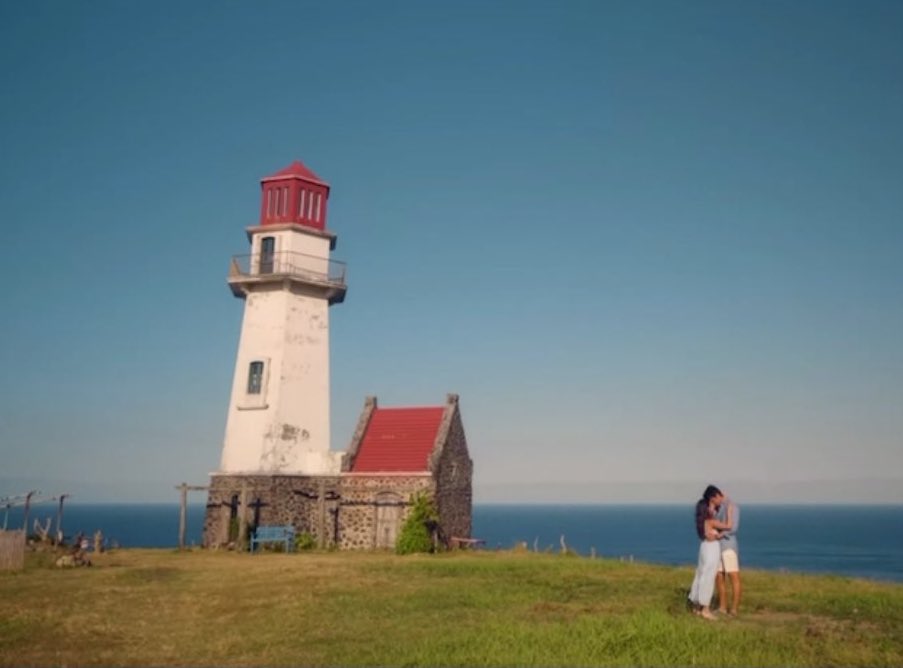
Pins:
x: 12, y: 550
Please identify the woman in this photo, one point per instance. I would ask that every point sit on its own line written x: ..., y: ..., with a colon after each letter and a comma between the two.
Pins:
x: 708, y: 529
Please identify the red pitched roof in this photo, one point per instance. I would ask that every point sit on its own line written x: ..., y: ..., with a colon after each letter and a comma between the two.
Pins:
x: 398, y: 439
x: 296, y: 170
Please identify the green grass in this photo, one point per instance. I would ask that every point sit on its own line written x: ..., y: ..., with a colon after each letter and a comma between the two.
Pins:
x: 141, y: 607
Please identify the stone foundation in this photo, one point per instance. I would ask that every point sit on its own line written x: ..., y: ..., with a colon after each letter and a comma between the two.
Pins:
x: 306, y: 502
x: 357, y: 512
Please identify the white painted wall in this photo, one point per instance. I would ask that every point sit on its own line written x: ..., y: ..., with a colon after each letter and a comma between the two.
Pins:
x: 285, y: 428
x: 309, y: 252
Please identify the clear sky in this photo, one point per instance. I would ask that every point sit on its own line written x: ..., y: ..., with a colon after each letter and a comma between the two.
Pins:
x: 650, y: 244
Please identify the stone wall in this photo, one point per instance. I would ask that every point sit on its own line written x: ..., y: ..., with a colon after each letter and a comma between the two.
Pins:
x: 358, y: 435
x: 454, y: 479
x: 362, y: 496
x: 309, y: 503
x: 337, y: 511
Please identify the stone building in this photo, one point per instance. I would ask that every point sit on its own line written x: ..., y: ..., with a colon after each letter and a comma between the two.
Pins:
x: 277, y: 467
x: 395, y: 454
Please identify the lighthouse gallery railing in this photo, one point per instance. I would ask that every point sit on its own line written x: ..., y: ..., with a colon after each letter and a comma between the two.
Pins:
x: 288, y: 263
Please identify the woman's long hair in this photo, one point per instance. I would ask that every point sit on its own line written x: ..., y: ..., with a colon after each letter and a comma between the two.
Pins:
x: 702, y: 509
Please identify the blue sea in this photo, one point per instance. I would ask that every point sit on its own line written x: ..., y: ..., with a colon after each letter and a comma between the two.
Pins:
x: 857, y: 541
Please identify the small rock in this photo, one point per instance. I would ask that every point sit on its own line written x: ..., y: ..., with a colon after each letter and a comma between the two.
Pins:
x: 66, y: 561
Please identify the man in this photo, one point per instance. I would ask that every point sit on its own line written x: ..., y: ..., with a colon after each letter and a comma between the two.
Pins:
x: 730, y: 559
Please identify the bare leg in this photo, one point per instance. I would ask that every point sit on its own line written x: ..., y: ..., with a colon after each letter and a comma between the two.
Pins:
x: 736, y: 589
x: 722, y: 593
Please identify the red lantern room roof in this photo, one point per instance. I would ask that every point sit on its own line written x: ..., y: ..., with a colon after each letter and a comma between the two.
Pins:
x: 294, y: 195
x: 296, y: 170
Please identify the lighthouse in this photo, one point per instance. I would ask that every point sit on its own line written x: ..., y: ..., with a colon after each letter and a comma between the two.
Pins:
x: 278, y: 416
x: 278, y: 475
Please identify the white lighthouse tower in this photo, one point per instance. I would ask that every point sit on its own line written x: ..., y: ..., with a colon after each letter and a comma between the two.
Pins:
x: 278, y: 419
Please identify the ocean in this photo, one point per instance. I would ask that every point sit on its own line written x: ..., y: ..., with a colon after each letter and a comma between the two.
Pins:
x: 855, y: 541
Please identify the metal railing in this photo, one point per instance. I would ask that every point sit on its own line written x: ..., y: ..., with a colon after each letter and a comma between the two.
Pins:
x: 288, y: 264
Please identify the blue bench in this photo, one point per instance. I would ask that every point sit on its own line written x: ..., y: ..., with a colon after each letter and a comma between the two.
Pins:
x: 274, y: 534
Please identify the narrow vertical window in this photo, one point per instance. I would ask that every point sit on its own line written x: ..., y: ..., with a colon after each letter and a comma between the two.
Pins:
x: 284, y: 201
x: 317, y: 209
x: 267, y: 254
x: 301, y: 205
x: 310, y: 207
x: 269, y: 202
x: 255, y: 377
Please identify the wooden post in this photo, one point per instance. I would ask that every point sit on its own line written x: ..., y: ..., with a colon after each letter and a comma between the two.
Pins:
x: 183, y: 509
x: 183, y: 512
x: 59, y: 519
x: 242, y: 516
x: 25, y: 514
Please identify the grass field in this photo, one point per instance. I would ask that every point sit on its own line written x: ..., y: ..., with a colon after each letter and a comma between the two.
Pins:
x: 160, y: 607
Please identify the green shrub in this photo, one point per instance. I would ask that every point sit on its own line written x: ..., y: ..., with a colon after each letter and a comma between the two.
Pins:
x: 305, y: 541
x: 416, y: 533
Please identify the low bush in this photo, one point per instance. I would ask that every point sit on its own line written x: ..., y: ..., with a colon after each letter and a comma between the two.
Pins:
x: 305, y: 541
x: 416, y: 533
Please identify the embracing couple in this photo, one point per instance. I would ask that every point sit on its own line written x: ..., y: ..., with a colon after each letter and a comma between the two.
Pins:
x: 717, y: 521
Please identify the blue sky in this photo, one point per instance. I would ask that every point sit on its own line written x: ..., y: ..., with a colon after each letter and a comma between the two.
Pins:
x: 651, y: 245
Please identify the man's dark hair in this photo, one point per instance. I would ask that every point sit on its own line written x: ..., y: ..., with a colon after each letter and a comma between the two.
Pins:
x: 710, y: 492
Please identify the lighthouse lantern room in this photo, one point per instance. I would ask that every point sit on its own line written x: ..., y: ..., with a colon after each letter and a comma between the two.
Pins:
x: 278, y: 417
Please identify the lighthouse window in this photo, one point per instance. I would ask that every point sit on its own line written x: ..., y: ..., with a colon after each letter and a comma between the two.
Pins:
x: 301, y: 205
x: 269, y: 202
x: 255, y: 377
x: 317, y: 209
x: 267, y: 253
x: 284, y: 209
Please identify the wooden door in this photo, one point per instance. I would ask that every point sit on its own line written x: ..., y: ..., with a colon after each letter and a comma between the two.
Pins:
x: 388, y: 517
